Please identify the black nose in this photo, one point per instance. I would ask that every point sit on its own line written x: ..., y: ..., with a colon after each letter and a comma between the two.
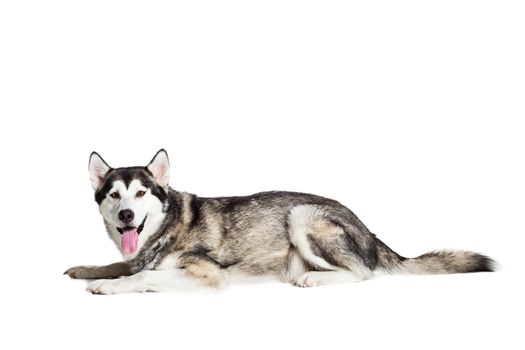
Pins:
x: 126, y: 216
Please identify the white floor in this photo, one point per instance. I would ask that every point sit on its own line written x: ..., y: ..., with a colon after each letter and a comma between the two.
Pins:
x: 410, y: 312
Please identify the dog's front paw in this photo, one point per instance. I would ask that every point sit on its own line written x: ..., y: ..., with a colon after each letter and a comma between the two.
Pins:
x: 82, y: 272
x: 117, y: 286
x: 103, y: 287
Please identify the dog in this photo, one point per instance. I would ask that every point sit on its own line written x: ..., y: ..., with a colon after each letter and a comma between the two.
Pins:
x: 171, y: 240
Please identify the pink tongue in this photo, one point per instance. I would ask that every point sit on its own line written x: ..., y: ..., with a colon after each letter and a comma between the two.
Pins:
x: 129, y: 241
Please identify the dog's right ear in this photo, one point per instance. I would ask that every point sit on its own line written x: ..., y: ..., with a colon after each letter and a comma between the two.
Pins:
x: 98, y: 169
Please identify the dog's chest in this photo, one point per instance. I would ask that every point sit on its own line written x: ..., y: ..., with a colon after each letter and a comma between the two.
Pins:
x: 168, y: 262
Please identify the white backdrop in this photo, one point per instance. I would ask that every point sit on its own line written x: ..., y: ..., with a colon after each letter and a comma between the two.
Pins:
x: 408, y: 112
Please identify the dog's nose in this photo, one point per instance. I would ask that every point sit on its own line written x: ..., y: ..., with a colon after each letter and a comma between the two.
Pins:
x: 126, y: 216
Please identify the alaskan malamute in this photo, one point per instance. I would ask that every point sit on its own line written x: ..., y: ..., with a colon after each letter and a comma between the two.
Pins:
x: 171, y: 240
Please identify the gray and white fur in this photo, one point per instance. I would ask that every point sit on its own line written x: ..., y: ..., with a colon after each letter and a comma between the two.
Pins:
x: 190, y: 241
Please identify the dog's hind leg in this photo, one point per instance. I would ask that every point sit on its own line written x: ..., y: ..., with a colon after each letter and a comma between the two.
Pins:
x: 332, y: 253
x: 321, y: 278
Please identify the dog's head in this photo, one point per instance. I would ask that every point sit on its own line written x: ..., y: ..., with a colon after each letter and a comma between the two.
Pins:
x: 131, y: 200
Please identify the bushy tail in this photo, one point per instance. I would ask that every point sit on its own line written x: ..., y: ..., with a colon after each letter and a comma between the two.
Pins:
x: 436, y: 262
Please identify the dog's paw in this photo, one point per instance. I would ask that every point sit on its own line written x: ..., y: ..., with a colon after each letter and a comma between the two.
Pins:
x: 81, y: 272
x: 117, y: 286
x: 308, y: 279
x: 103, y: 287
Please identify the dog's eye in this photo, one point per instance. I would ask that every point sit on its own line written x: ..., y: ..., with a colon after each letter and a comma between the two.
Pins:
x: 115, y: 195
x: 140, y: 194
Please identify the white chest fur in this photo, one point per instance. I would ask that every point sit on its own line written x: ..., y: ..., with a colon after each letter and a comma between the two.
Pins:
x: 169, y: 262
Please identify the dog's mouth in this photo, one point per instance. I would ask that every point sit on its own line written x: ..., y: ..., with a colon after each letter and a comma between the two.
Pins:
x: 130, y: 237
x: 139, y: 229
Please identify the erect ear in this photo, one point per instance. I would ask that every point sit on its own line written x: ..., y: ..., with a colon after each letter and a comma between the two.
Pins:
x: 160, y: 168
x: 98, y: 169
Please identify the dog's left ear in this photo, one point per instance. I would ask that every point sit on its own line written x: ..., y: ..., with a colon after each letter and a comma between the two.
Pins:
x: 160, y: 168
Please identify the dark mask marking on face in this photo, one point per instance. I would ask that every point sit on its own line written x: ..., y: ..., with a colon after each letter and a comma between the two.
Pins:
x: 127, y: 175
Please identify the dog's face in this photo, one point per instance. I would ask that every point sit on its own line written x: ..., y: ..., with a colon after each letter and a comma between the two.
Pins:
x: 131, y: 199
